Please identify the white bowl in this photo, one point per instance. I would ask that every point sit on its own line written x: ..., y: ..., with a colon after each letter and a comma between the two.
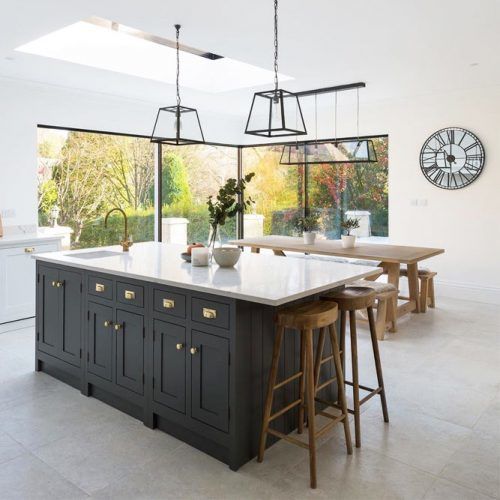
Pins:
x: 227, y: 256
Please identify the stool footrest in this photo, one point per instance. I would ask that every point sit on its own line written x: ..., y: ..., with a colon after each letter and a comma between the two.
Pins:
x: 287, y: 380
x: 328, y: 358
x: 369, y: 396
x: 288, y: 438
x: 364, y: 387
x: 285, y: 409
x: 325, y: 383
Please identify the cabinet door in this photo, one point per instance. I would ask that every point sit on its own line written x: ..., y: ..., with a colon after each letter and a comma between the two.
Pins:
x: 49, y: 329
x: 100, y: 340
x: 130, y: 351
x: 210, y: 380
x: 169, y: 349
x: 71, y: 317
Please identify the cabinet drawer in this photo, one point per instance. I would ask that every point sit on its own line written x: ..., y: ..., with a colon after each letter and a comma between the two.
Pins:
x: 210, y: 313
x: 100, y: 287
x: 170, y: 303
x: 130, y: 294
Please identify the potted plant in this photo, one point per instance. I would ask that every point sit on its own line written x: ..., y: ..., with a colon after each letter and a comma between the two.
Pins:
x: 308, y: 225
x: 349, y: 240
x: 228, y: 203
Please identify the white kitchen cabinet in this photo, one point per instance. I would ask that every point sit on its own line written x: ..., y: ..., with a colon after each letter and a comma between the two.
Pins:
x: 18, y: 277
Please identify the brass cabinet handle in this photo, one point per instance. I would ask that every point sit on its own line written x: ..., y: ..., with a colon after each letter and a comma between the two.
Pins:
x: 129, y: 295
x: 99, y: 287
x: 58, y: 284
x: 54, y: 283
x: 29, y: 249
x: 108, y: 323
x: 179, y: 346
x: 118, y: 326
x: 193, y: 350
x: 209, y: 313
x: 168, y: 303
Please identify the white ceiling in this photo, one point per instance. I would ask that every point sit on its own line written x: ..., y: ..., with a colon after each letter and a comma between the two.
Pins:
x: 398, y: 47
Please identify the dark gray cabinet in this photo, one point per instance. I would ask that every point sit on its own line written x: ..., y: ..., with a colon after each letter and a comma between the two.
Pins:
x: 169, y: 365
x: 59, y: 314
x: 130, y: 333
x: 210, y: 379
x: 100, y: 340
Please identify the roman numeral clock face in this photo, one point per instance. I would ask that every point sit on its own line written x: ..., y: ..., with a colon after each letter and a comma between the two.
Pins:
x: 452, y: 158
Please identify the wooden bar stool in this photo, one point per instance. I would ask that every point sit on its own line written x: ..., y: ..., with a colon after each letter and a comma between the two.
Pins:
x: 427, y: 294
x: 352, y: 299
x: 305, y: 318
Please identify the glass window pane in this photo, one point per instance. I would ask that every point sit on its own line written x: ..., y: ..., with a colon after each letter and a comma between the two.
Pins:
x: 277, y: 191
x: 190, y: 174
x: 337, y: 192
x: 85, y: 174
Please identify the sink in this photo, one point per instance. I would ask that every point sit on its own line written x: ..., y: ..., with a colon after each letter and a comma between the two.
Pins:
x: 98, y: 254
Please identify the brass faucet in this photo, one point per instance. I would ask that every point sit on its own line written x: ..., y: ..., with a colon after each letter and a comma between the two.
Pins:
x: 127, y: 242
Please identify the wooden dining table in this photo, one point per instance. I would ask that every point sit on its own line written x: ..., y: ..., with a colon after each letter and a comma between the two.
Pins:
x: 390, y: 258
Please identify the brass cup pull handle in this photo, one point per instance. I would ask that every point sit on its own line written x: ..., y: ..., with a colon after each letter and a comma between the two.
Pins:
x: 129, y: 295
x: 59, y: 284
x: 179, y: 347
x: 193, y: 350
x: 29, y: 249
x: 118, y: 326
x: 168, y: 303
x: 99, y: 287
x: 54, y: 284
x: 108, y: 323
x: 209, y: 313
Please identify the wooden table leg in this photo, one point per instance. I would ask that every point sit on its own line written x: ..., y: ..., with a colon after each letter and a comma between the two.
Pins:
x: 255, y: 249
x: 413, y: 285
x: 278, y: 252
x: 392, y: 269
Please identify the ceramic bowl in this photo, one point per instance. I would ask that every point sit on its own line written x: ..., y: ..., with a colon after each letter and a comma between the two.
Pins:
x: 227, y: 256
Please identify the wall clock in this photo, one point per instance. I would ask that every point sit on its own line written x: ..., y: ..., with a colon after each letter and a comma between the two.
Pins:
x: 452, y: 158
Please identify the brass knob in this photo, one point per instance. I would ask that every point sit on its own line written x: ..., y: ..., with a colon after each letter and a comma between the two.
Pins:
x: 168, y: 303
x: 118, y: 326
x: 108, y: 323
x: 209, y: 313
x: 29, y: 249
x: 99, y: 287
x: 179, y: 346
x: 193, y: 350
x: 54, y: 283
x: 129, y: 295
x: 59, y: 284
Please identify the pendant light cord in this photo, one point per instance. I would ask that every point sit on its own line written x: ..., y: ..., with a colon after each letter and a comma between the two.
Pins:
x: 276, y: 46
x: 177, y: 29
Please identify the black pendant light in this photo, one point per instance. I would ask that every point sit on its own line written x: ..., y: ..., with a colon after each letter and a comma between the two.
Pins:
x: 177, y: 125
x: 277, y: 112
x: 356, y: 150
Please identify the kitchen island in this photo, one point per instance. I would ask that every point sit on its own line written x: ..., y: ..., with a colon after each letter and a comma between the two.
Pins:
x: 185, y: 349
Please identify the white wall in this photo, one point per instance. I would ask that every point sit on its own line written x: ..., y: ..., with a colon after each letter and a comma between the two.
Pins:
x: 24, y: 105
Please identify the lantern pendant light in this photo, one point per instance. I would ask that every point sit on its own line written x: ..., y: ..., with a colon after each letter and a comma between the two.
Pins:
x: 273, y: 111
x: 177, y: 125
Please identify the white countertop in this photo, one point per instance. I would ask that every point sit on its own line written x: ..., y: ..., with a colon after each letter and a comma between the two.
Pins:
x: 265, y: 279
x: 8, y: 240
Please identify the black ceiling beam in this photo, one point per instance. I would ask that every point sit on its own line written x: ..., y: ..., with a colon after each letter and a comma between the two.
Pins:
x: 328, y: 90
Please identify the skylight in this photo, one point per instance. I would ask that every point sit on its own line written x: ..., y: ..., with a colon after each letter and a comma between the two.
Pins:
x: 100, y: 46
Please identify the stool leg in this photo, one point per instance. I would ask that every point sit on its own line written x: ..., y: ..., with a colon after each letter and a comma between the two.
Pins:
x: 270, y: 390
x: 381, y: 321
x: 310, y: 388
x: 302, y: 383
x: 340, y: 377
x: 319, y: 356
x: 355, y: 376
x: 378, y: 364
x: 342, y: 337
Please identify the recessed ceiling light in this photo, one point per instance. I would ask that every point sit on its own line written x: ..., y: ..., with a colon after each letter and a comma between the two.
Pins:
x: 105, y: 45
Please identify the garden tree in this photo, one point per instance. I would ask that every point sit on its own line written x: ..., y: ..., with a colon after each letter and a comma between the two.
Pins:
x: 175, y: 181
x: 129, y: 171
x: 80, y: 177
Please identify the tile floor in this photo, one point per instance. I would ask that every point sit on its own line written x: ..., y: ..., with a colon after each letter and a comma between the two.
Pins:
x: 442, y: 372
